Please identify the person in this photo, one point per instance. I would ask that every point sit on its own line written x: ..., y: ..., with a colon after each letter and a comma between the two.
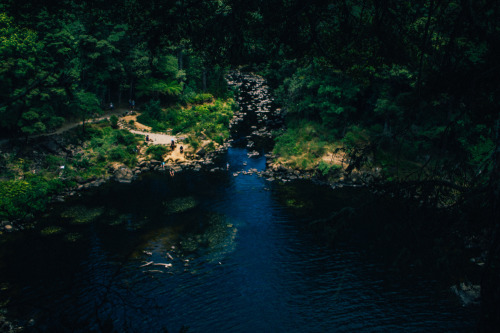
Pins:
x: 163, y: 165
x: 181, y: 149
x: 133, y: 104
x: 111, y: 106
x: 227, y: 166
x: 130, y: 104
x: 171, y: 172
x: 147, y: 138
x: 172, y: 144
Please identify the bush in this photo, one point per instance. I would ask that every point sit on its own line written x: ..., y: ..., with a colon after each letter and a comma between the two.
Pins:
x: 52, y: 162
x: 114, y: 121
x: 81, y: 162
x: 327, y: 169
x: 153, y: 110
x: 22, y: 198
x: 157, y: 151
x: 125, y: 138
x: 117, y: 154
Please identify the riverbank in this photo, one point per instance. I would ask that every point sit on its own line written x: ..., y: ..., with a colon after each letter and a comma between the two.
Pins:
x: 253, y: 129
x: 51, y: 168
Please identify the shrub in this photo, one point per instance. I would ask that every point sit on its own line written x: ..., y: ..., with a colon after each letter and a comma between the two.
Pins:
x: 81, y: 162
x: 210, y: 146
x: 157, y: 151
x: 124, y: 138
x: 153, y: 110
x: 21, y: 198
x: 327, y: 169
x: 193, y: 141
x: 117, y: 154
x: 52, y: 161
x: 114, y: 121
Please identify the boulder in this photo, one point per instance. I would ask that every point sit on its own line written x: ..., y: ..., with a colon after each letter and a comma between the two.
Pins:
x: 124, y: 174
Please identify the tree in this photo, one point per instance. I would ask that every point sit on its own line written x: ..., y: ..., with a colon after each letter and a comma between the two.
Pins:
x: 18, y: 74
x: 85, y: 105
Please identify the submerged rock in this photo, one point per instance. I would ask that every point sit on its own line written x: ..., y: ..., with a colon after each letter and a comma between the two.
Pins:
x: 467, y: 292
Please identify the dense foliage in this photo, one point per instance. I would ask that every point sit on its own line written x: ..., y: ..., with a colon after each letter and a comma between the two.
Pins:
x: 410, y: 87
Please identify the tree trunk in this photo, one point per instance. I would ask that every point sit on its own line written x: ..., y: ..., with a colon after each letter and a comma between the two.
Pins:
x: 180, y: 59
x: 423, y: 48
x: 204, y: 80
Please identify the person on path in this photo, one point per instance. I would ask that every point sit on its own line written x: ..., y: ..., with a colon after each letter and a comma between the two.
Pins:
x: 147, y: 138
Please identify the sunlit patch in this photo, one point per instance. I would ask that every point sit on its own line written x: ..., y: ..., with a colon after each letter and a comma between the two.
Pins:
x: 82, y: 214
x: 51, y: 230
x: 180, y: 205
x: 293, y: 203
x: 72, y: 237
x: 119, y: 220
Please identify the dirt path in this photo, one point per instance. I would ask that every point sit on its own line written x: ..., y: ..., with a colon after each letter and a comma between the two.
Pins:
x: 67, y: 126
x: 70, y: 125
x: 154, y: 138
x: 163, y: 139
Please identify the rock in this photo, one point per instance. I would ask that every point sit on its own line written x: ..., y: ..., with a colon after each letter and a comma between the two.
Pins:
x: 467, y: 292
x: 124, y: 174
x: 201, y: 152
x: 253, y: 154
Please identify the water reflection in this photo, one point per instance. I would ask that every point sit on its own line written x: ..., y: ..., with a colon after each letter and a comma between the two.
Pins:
x: 216, y: 253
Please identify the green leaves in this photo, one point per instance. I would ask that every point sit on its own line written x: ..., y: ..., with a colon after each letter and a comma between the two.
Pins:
x: 21, y: 198
x: 30, y: 123
x: 318, y: 92
x: 155, y: 87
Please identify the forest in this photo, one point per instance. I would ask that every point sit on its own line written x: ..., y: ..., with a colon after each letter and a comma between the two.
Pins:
x: 411, y: 88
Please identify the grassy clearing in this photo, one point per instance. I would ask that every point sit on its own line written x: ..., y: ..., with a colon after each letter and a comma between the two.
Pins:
x: 196, y: 122
x: 309, y: 146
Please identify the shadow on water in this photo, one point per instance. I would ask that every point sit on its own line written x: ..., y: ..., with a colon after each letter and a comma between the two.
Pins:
x: 228, y: 251
x: 218, y: 252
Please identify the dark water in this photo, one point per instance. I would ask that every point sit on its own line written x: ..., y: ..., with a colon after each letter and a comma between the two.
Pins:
x: 243, y: 259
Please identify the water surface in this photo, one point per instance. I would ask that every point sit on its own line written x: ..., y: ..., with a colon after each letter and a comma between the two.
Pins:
x: 238, y: 255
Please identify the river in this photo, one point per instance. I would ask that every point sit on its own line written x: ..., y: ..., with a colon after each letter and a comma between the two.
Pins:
x: 220, y: 251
